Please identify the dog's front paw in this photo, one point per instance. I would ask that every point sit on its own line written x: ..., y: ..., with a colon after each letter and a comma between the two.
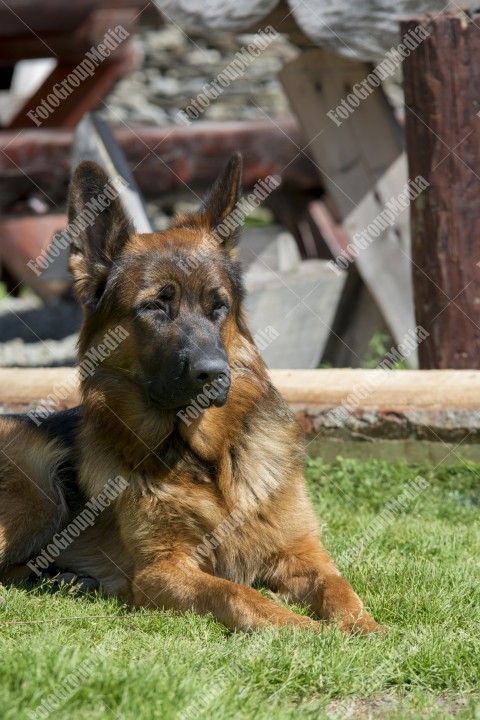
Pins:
x: 363, y: 624
x: 76, y: 583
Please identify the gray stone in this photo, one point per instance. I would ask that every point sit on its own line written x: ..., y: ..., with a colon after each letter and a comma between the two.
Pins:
x: 173, y: 68
x: 299, y: 305
x: 162, y: 85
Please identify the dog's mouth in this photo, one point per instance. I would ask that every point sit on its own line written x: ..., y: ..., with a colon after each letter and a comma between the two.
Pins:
x: 184, y: 401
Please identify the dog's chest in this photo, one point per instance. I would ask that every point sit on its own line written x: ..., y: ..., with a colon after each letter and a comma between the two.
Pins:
x: 242, y: 547
x: 240, y: 514
x: 236, y: 529
x: 250, y: 526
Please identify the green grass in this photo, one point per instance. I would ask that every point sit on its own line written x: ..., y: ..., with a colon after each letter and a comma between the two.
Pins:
x: 420, y: 576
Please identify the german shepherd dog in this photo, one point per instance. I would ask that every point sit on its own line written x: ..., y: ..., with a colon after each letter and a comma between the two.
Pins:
x: 236, y: 466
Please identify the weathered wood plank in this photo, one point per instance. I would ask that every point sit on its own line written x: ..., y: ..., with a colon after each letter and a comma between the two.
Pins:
x: 86, y: 97
x: 94, y: 140
x: 163, y: 160
x: 363, y: 167
x: 387, y: 389
x: 18, y: 17
x: 401, y: 404
x: 320, y: 388
x: 442, y: 78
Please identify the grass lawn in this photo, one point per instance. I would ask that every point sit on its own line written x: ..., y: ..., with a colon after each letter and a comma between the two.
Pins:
x: 418, y: 572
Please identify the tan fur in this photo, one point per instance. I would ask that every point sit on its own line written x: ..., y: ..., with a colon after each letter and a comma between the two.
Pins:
x: 243, y: 460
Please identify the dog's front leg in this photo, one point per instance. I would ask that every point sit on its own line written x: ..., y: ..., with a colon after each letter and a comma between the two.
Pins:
x: 305, y: 573
x: 169, y: 584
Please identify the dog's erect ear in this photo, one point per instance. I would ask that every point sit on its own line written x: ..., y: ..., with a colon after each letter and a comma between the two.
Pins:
x: 221, y: 200
x: 98, y: 229
x: 217, y: 205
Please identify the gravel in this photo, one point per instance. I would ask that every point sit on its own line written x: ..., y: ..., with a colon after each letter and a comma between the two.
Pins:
x: 172, y: 68
x: 37, y: 335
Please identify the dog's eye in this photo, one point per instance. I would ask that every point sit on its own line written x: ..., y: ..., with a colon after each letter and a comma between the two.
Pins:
x: 157, y: 304
x: 220, y: 309
x: 166, y: 294
x: 161, y: 302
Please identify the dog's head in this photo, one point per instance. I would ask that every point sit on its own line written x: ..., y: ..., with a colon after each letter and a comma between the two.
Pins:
x: 176, y: 293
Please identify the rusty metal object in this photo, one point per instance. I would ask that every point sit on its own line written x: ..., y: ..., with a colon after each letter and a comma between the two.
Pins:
x: 23, y: 239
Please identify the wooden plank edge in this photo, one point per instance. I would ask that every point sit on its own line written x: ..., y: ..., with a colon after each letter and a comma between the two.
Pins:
x: 433, y: 405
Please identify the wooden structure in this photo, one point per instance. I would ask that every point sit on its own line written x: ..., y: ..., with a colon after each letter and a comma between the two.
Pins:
x: 360, y: 162
x: 163, y: 159
x: 443, y: 133
x: 66, y: 31
x: 362, y: 165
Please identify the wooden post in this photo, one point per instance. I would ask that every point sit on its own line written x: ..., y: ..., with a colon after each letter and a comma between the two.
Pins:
x: 442, y: 80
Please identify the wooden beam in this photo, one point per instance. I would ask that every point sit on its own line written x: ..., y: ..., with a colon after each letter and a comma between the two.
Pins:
x: 320, y: 388
x: 55, y: 28
x: 70, y: 48
x: 163, y: 160
x: 387, y: 389
x: 435, y: 405
x: 86, y: 97
x: 357, y: 320
x: 30, y: 386
x: 94, y: 140
x: 441, y: 82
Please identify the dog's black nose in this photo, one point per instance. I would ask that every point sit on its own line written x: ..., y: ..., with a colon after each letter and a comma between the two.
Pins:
x: 207, y: 370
